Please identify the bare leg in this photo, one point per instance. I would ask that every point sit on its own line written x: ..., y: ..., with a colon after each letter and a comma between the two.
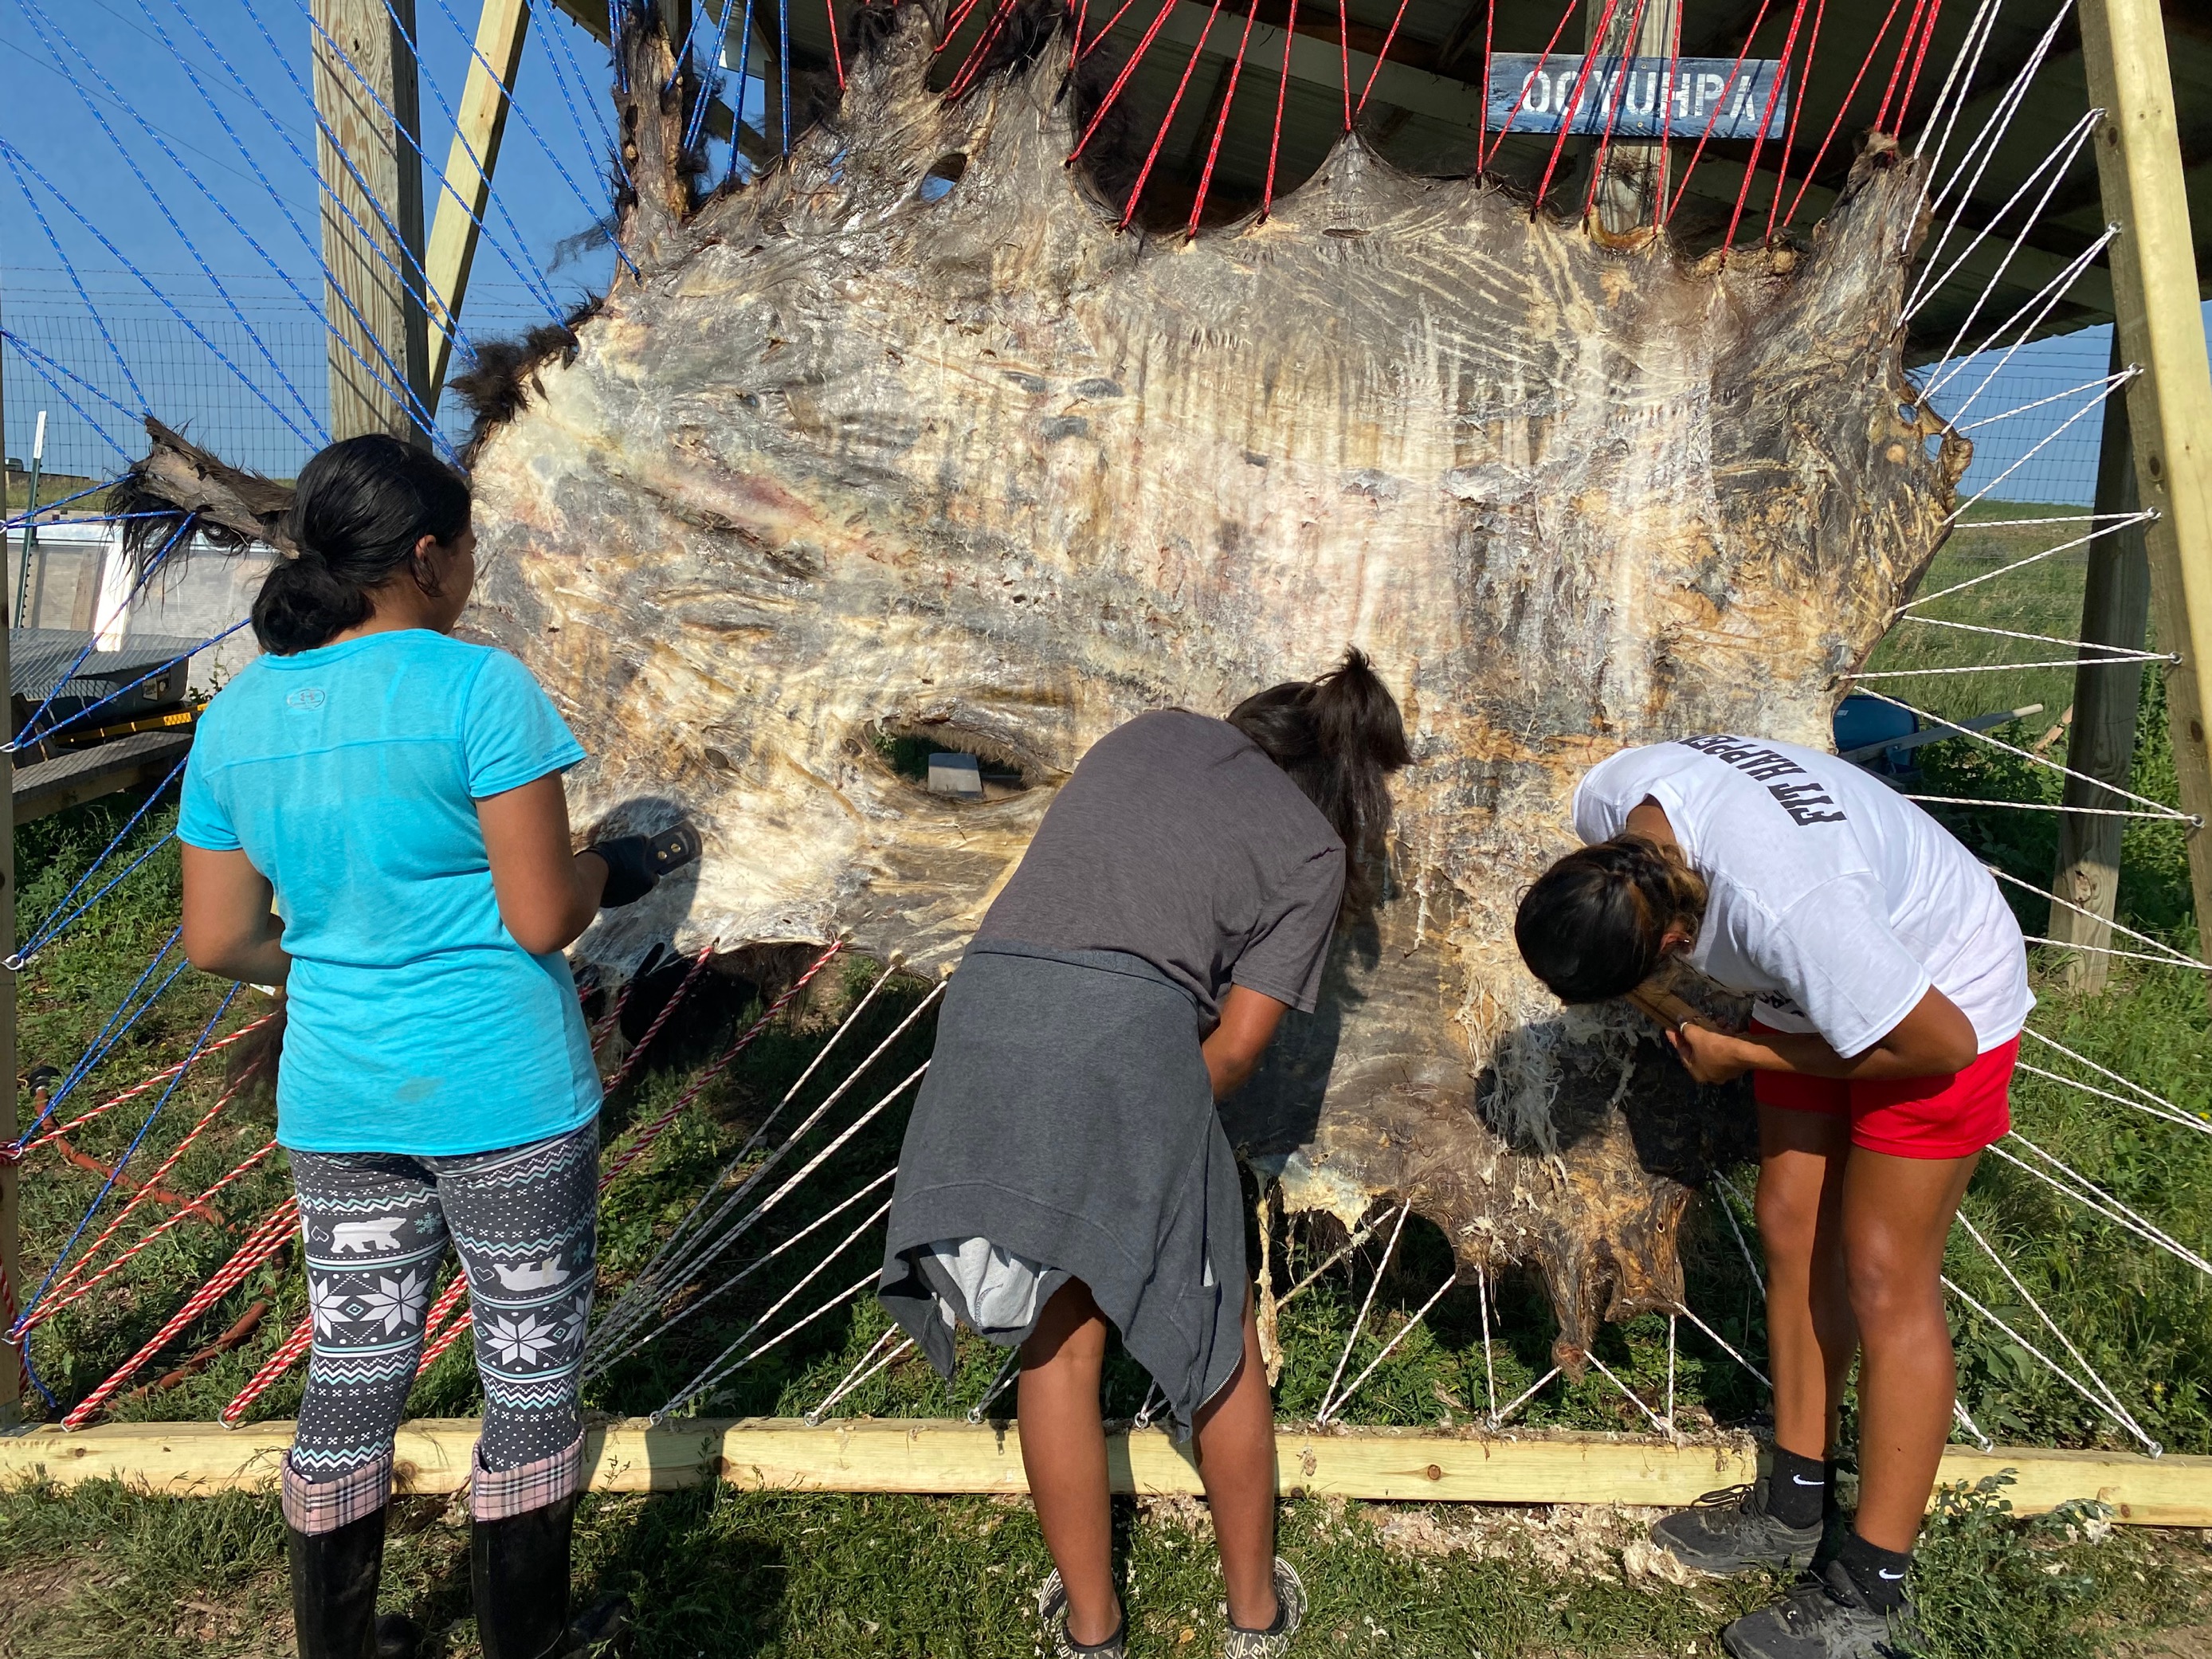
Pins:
x: 1810, y: 1331
x: 1064, y: 1451
x: 1236, y: 1435
x: 1897, y: 1214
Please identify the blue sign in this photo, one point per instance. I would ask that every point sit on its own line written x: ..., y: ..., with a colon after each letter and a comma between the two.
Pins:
x: 1637, y: 97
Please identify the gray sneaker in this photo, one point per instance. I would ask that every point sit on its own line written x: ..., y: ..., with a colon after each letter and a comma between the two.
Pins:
x: 1730, y: 1531
x: 1290, y: 1613
x: 1055, y: 1643
x: 1824, y: 1616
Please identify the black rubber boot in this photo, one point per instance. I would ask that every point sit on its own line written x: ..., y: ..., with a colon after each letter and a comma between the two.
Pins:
x: 519, y: 1575
x: 334, y: 1576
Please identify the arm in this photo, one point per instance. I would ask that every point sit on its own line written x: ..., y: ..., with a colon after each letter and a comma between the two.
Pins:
x: 547, y: 894
x: 1248, y: 1019
x: 1933, y: 1040
x: 230, y: 920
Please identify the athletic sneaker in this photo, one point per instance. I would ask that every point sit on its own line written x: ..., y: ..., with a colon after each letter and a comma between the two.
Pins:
x: 1055, y: 1643
x: 1290, y: 1613
x: 1730, y: 1531
x: 1824, y: 1616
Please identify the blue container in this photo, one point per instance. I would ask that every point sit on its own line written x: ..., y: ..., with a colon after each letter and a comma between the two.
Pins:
x: 1862, y: 721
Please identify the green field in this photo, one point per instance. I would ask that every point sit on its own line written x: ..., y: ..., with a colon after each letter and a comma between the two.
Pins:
x: 101, y: 1572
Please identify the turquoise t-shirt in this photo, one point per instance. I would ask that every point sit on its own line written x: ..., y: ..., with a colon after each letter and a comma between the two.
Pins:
x: 349, y: 775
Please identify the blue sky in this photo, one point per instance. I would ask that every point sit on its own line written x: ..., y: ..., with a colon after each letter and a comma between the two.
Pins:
x: 237, y: 277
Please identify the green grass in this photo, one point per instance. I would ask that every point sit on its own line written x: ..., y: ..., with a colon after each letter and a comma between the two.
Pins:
x: 101, y: 1572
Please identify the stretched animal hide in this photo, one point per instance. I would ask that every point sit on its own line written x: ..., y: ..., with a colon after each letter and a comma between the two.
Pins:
x: 845, y: 457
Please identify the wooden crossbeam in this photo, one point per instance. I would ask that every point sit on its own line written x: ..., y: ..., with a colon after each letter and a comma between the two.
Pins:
x: 926, y: 1457
x: 502, y: 27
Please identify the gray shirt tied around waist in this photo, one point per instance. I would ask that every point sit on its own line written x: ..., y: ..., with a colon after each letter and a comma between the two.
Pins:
x: 1067, y: 1128
x: 1068, y: 1119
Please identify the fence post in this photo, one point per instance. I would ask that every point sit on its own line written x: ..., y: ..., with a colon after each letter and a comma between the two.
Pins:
x: 11, y: 1277
x: 2161, y: 328
x: 2107, y: 696
x: 375, y: 74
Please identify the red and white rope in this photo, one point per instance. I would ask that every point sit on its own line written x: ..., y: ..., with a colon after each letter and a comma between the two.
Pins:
x: 11, y: 1154
x: 668, y: 1008
x: 263, y: 1242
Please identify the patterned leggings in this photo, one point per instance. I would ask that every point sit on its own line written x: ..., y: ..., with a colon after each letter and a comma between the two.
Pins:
x: 375, y: 1226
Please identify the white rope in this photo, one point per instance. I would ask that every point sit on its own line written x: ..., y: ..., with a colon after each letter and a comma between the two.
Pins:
x: 2159, y: 809
x: 744, y: 1223
x: 1489, y: 1370
x: 1971, y: 1426
x: 2038, y: 306
x: 602, y: 1356
x: 1929, y: 285
x: 2116, y: 652
x: 2197, y: 1124
x: 1366, y: 1231
x: 1984, y: 668
x: 2051, y: 1325
x: 996, y: 1387
x: 2046, y: 519
x: 1523, y: 1397
x: 1741, y: 1243
x: 1976, y: 38
x: 2129, y: 522
x: 2101, y: 950
x: 2174, y: 958
x: 2109, y: 382
x: 717, y: 1371
x: 1987, y: 141
x: 1381, y: 1268
x: 2056, y: 1369
x: 633, y: 1305
x: 1143, y: 1420
x: 2049, y: 806
x: 2106, y: 1071
x: 1724, y: 1344
x: 671, y: 1265
x: 1606, y: 1370
x: 697, y: 1250
x: 2090, y: 1196
x: 1327, y: 1409
x: 1670, y: 1372
x: 855, y: 1377
x: 2033, y: 451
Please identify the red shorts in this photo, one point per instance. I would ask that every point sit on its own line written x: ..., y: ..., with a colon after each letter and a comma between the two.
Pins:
x: 1953, y: 1115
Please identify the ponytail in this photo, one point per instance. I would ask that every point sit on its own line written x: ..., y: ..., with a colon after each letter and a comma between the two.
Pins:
x: 1595, y: 926
x: 1340, y: 737
x: 359, y: 511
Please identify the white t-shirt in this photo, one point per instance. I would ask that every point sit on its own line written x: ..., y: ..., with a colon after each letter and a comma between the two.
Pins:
x: 1835, y: 901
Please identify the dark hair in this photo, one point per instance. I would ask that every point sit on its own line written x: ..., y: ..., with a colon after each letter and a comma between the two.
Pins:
x: 1338, y: 737
x: 357, y: 512
x: 1595, y: 925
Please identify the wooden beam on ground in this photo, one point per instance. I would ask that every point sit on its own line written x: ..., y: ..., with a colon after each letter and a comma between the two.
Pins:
x: 2161, y: 328
x: 366, y: 92
x: 78, y: 776
x: 925, y: 1456
x: 2115, y: 612
x: 502, y: 27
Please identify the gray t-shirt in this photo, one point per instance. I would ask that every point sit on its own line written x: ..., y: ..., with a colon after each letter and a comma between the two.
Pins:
x: 1176, y: 840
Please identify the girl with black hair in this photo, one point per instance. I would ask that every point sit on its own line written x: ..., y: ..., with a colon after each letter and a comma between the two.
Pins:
x: 373, y: 819
x: 1065, y: 1169
x: 1890, y: 982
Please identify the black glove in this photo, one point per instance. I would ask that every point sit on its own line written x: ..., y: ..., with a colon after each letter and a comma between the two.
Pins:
x: 635, y: 864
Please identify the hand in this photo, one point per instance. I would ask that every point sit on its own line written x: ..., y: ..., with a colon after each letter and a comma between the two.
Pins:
x: 1708, y: 1055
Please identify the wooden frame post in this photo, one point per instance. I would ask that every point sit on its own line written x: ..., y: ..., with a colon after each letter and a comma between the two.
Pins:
x: 353, y: 94
x: 1635, y: 170
x: 2107, y: 697
x: 502, y: 26
x: 2161, y: 329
